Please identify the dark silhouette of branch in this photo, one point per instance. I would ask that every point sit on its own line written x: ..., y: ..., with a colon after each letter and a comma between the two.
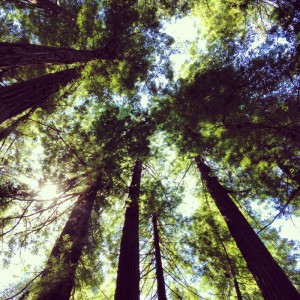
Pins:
x: 294, y: 194
x: 24, y: 288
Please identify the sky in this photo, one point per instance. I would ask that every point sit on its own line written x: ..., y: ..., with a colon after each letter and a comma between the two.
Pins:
x: 184, y: 31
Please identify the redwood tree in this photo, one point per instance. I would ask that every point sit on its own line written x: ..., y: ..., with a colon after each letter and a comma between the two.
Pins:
x: 17, y: 98
x: 271, y: 279
x: 128, y: 269
x: 58, y: 278
x: 161, y: 289
x: 21, y: 54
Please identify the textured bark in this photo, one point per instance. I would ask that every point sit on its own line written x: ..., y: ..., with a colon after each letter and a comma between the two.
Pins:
x: 270, y: 278
x: 33, y: 93
x: 128, y: 269
x: 161, y: 289
x: 58, y: 278
x: 45, y: 5
x: 17, y: 54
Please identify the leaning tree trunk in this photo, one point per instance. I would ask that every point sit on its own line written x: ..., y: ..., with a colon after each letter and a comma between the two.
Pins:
x: 47, y: 6
x: 270, y: 278
x: 58, y: 277
x: 19, y: 97
x: 128, y: 269
x: 161, y: 289
x: 14, y: 55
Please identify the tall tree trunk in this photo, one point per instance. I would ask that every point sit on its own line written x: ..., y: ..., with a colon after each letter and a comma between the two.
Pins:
x: 161, y: 289
x: 46, y: 5
x: 128, y: 269
x: 17, y: 54
x: 232, y: 268
x: 270, y: 278
x: 58, y: 277
x: 19, y: 97
x: 215, y: 230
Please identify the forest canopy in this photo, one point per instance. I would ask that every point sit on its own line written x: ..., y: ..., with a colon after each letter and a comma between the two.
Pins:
x: 122, y: 177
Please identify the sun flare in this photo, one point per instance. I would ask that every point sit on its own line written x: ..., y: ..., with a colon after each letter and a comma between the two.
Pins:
x: 48, y: 191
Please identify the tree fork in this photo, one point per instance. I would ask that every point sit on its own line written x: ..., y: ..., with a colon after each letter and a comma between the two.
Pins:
x: 58, y: 278
x: 19, y: 97
x: 128, y: 277
x: 161, y: 288
x: 272, y: 281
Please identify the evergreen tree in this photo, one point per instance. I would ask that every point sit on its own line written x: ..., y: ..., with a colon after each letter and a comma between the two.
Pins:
x: 236, y: 103
x: 161, y: 289
x: 19, y: 97
x: 128, y: 268
x: 58, y: 278
x: 17, y: 55
x: 271, y: 279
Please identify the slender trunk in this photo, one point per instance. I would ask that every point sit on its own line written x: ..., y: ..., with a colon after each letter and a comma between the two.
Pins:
x: 270, y: 278
x: 229, y: 260
x: 161, y: 289
x: 33, y: 93
x: 233, y: 274
x: 232, y: 271
x: 17, y: 54
x: 58, y: 277
x: 128, y: 269
x: 46, y: 5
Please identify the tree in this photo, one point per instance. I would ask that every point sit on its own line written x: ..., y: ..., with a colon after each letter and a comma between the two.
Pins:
x: 215, y: 256
x: 272, y: 281
x: 34, y: 93
x: 161, y: 289
x: 164, y: 266
x: 128, y: 276
x: 18, y: 54
x: 230, y: 264
x: 236, y: 104
x: 58, y: 277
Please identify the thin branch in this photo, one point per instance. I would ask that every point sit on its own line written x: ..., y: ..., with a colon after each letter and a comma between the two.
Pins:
x: 186, y: 171
x: 25, y: 287
x: 294, y: 194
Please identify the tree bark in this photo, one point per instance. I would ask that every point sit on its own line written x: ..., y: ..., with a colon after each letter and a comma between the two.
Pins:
x: 33, y: 93
x: 161, y: 288
x: 58, y: 277
x: 128, y: 269
x: 14, y: 55
x: 270, y: 278
x: 45, y: 5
